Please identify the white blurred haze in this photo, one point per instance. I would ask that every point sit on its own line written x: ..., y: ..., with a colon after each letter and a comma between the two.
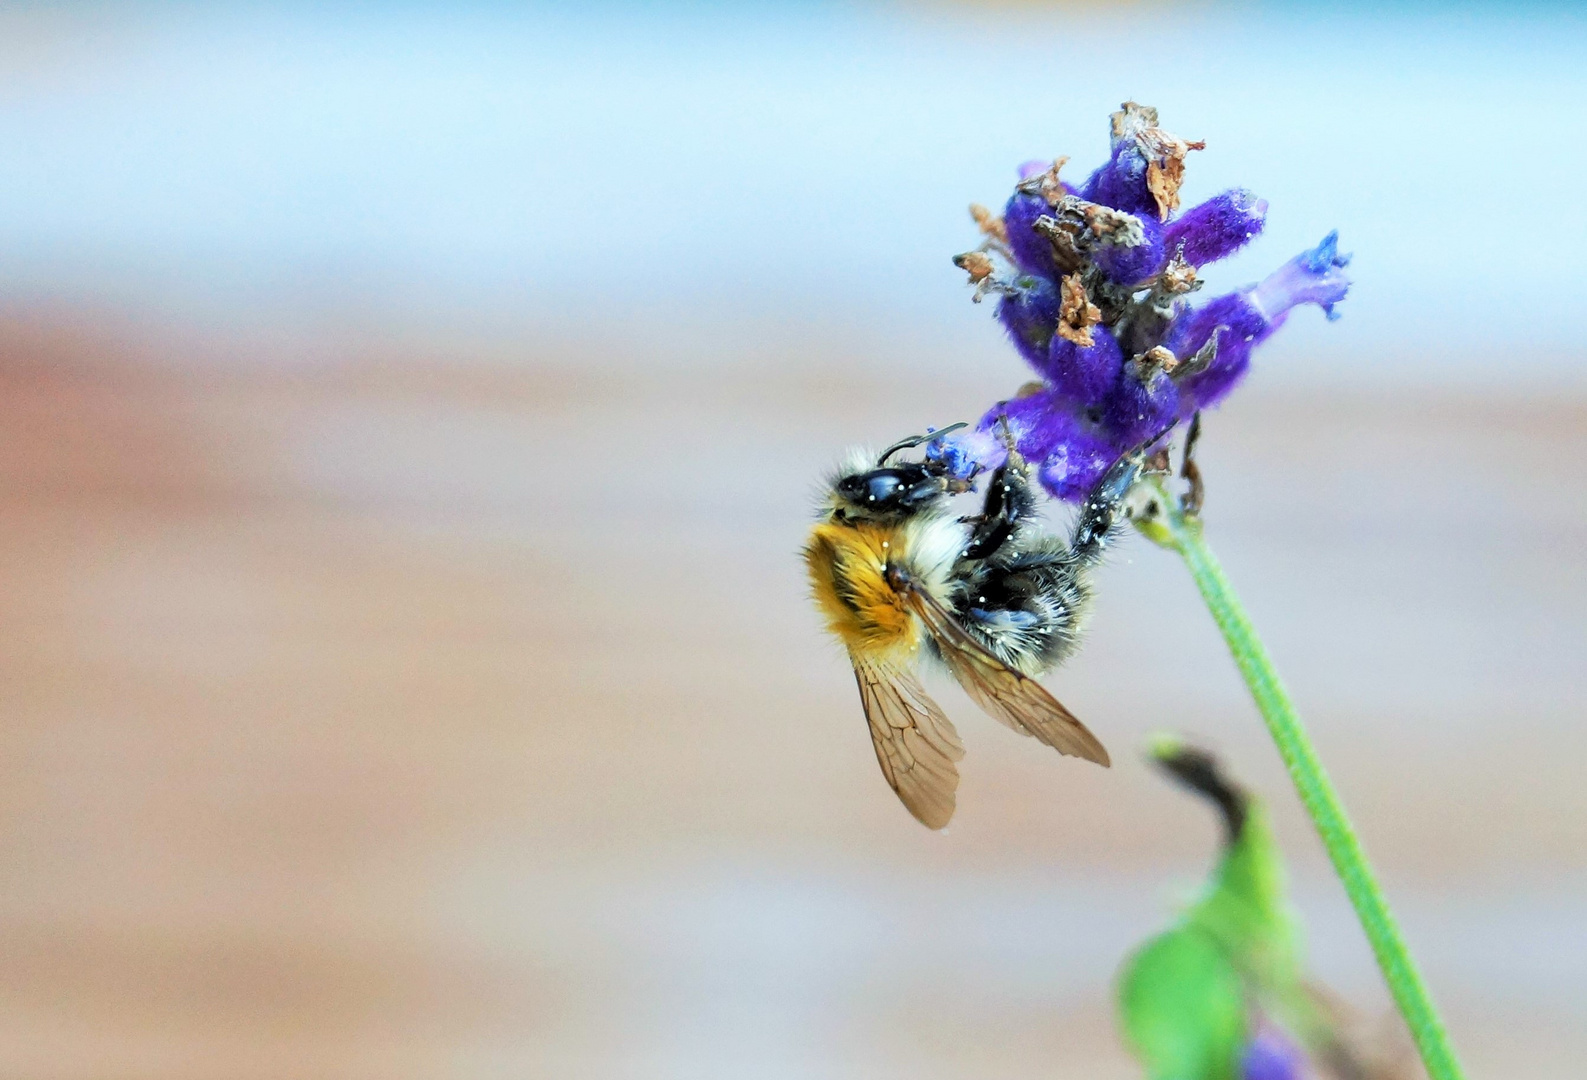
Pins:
x: 671, y: 175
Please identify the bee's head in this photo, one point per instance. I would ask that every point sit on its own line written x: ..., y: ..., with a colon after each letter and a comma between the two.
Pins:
x: 884, y: 490
x: 897, y: 491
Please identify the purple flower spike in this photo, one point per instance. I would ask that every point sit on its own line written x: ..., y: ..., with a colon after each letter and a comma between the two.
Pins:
x: 1029, y: 311
x: 1270, y: 1056
x: 1216, y: 228
x: 1083, y: 375
x: 1098, y: 301
x: 1312, y: 277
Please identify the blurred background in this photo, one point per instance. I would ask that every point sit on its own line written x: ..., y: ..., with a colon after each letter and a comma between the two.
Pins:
x: 409, y: 419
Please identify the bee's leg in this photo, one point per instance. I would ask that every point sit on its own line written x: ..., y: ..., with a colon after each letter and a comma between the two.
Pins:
x: 1102, y: 514
x: 1009, y: 501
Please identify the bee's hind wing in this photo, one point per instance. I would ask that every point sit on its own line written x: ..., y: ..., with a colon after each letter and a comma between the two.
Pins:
x: 1006, y: 695
x: 915, y: 741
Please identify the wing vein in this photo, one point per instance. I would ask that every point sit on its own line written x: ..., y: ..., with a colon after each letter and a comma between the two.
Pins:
x: 1006, y: 695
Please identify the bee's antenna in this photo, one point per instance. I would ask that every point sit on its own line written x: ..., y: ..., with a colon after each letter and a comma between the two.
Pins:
x: 916, y: 440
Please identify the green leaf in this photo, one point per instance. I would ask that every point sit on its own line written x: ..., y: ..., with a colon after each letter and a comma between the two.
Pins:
x: 1183, y: 1005
x: 1189, y: 995
x: 1246, y: 911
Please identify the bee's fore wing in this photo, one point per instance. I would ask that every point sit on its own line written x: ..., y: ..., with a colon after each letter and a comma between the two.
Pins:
x: 915, y: 742
x: 1006, y: 695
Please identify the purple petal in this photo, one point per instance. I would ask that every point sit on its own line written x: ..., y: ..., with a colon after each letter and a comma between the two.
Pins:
x: 1312, y: 277
x: 966, y: 453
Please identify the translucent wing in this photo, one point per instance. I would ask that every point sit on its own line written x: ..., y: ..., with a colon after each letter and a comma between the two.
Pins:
x: 915, y: 743
x: 1015, y: 699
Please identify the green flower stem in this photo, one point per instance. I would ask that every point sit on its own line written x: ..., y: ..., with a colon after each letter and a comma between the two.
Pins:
x: 1173, y: 529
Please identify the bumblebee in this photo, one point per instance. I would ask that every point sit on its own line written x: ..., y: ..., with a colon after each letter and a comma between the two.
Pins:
x: 993, y: 598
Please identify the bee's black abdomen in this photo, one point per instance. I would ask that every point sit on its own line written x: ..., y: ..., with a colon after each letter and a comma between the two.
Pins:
x: 1028, y: 604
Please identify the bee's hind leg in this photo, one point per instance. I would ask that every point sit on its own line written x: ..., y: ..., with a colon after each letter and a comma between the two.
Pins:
x: 1103, y: 513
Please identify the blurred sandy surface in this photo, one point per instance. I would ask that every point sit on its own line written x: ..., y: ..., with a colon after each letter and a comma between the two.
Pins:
x: 448, y: 719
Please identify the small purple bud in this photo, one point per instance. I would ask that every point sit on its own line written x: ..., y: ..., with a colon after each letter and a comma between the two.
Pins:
x: 1083, y: 375
x: 1032, y: 251
x: 1270, y: 1056
x: 1217, y: 228
x: 1144, y: 402
x: 1034, y: 167
x: 1030, y: 314
x: 1121, y: 183
x: 1129, y: 264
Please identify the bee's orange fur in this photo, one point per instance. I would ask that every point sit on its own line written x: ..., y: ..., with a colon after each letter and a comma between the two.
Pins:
x: 848, y: 577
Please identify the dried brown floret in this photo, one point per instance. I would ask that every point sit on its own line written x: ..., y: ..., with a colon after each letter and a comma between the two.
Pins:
x: 1046, y: 184
x: 1157, y: 356
x: 975, y: 263
x: 1177, y: 278
x: 1061, y: 234
x: 1076, y: 313
x: 1110, y: 226
x: 989, y: 223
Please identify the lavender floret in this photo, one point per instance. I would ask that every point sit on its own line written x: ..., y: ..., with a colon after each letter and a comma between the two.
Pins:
x: 1128, y: 264
x: 1217, y: 228
x: 1029, y: 312
x: 1083, y: 375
